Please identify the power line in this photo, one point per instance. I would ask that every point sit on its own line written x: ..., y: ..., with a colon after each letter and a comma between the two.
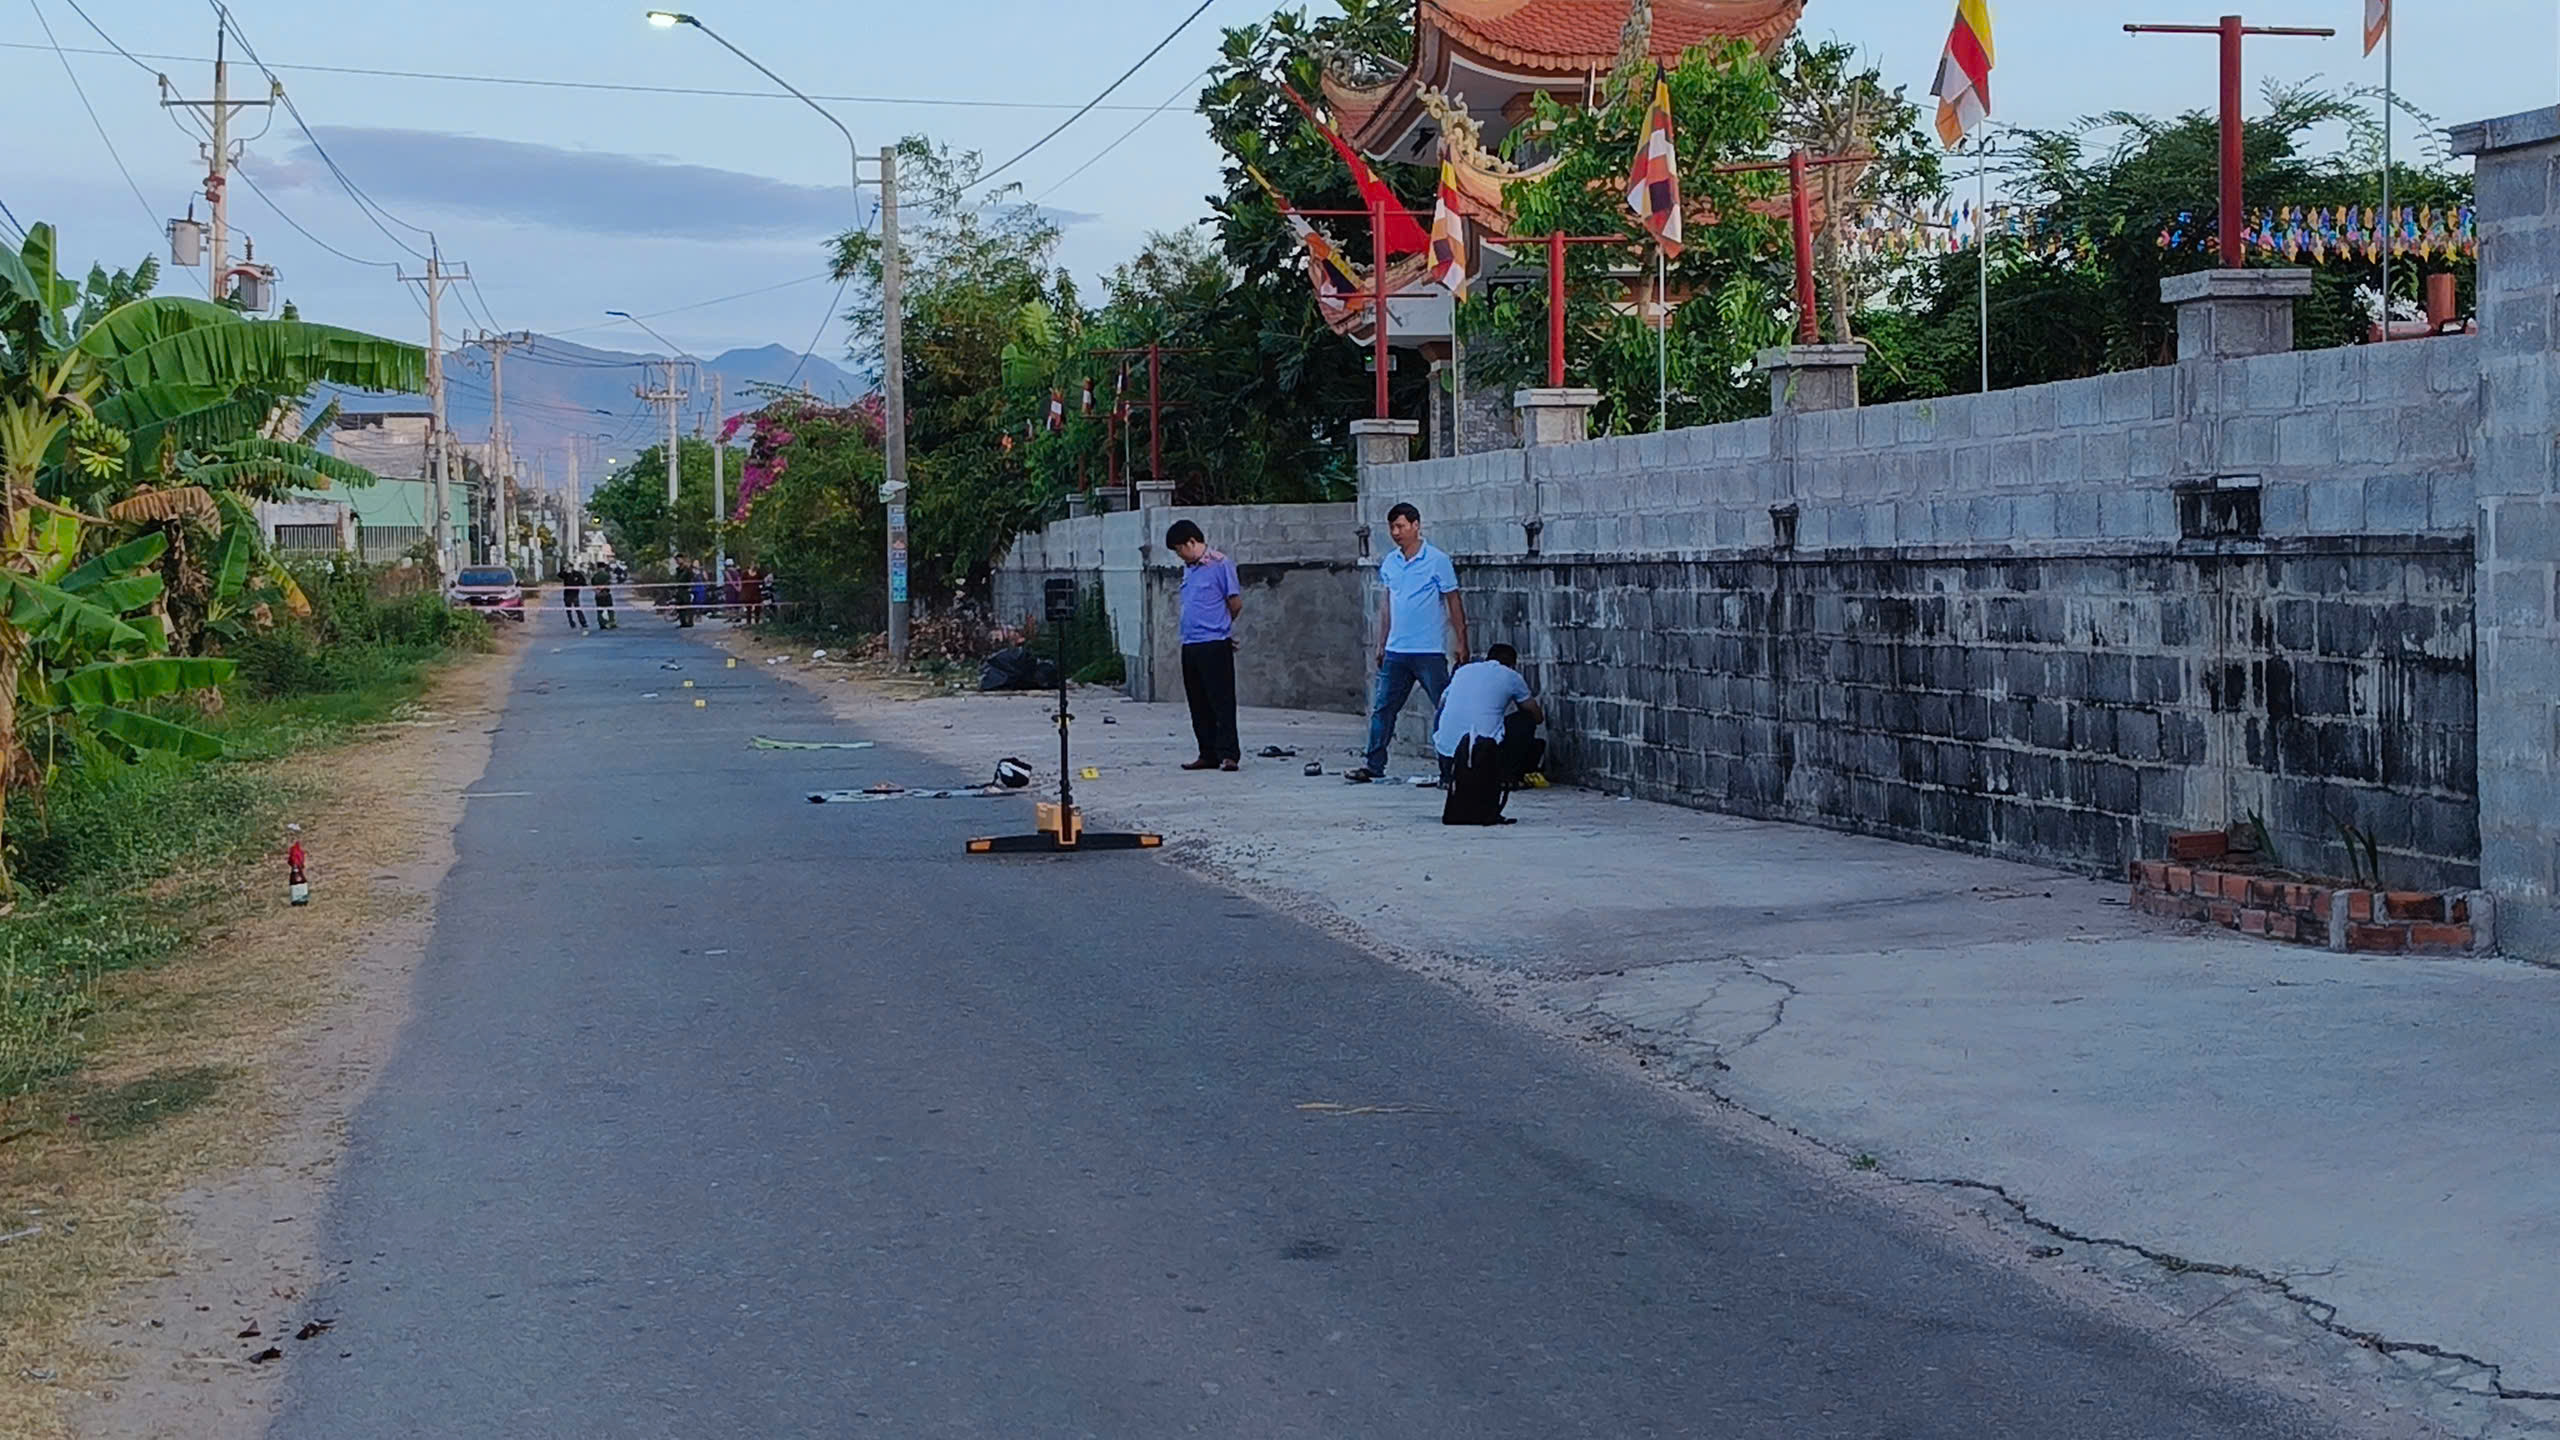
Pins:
x: 696, y: 305
x: 533, y: 82
x: 281, y: 214
x: 1126, y: 136
x: 823, y: 322
x: 110, y: 39
x: 372, y: 209
x: 13, y: 219
x: 1105, y: 95
x: 148, y: 211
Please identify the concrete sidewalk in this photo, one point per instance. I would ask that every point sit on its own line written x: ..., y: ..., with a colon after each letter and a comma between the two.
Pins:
x: 2364, y: 1145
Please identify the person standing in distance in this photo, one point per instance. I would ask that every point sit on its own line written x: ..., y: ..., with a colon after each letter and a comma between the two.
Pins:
x: 1211, y: 600
x: 573, y: 579
x: 1420, y: 626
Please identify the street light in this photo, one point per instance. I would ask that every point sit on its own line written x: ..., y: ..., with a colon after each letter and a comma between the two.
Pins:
x: 893, y: 491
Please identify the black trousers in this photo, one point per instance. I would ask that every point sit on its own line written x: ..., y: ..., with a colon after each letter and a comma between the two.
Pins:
x: 1522, y: 750
x: 1209, y: 681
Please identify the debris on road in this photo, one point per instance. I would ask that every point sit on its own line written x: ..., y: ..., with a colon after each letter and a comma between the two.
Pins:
x: 766, y: 743
x: 858, y: 797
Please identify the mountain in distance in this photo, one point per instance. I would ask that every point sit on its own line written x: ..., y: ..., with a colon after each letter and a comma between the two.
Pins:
x: 561, y: 396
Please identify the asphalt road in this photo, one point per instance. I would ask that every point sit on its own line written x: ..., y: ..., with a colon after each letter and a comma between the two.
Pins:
x: 724, y: 1114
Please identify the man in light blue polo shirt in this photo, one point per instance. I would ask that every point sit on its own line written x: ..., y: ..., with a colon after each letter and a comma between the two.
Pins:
x: 1420, y: 626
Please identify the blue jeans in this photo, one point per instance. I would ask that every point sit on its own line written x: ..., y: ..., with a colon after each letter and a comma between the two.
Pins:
x: 1396, y: 679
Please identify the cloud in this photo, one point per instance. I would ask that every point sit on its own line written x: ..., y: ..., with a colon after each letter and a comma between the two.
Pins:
x: 595, y: 191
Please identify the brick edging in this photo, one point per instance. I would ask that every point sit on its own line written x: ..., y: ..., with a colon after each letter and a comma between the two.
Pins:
x: 2364, y: 922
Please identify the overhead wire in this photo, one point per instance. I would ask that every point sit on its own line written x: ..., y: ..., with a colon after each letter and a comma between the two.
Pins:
x: 11, y: 216
x: 1088, y: 106
x: 695, y: 305
x: 1126, y: 136
x: 371, y: 208
x: 149, y: 211
x: 536, y: 82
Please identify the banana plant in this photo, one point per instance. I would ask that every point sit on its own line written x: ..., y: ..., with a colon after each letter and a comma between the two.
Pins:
x: 98, y: 655
x: 83, y: 386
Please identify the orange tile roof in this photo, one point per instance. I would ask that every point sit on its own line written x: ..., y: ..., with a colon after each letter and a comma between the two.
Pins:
x: 1570, y: 36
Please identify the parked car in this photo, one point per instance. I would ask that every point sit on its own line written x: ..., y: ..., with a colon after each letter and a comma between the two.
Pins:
x: 488, y: 587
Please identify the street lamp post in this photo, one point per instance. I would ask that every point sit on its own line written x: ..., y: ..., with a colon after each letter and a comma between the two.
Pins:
x: 893, y: 492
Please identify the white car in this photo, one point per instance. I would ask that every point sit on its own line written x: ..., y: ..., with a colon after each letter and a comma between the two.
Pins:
x: 488, y: 588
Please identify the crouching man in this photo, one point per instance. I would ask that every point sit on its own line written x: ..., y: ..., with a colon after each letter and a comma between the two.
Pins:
x: 1477, y: 740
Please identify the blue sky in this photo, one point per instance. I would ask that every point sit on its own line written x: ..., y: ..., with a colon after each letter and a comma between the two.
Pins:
x: 568, y: 202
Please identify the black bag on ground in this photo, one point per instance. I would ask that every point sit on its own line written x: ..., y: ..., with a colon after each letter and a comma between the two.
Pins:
x: 1007, y: 669
x: 1476, y: 790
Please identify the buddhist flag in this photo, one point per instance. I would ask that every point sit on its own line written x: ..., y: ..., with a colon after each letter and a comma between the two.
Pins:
x: 1057, y: 410
x: 1337, y: 287
x: 1088, y: 395
x: 1449, y: 236
x: 1403, y: 237
x: 1963, y: 87
x: 1653, y: 189
x: 2377, y: 24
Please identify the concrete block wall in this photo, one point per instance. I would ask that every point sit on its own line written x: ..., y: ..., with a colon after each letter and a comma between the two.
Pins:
x: 1992, y: 631
x: 2518, y: 479
x: 1299, y: 565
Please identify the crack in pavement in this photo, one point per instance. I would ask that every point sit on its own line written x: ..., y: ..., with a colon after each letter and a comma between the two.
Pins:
x: 2491, y: 1375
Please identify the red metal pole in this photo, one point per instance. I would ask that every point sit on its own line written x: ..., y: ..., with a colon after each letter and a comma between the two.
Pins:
x: 1808, y: 321
x: 2233, y: 156
x: 1378, y: 296
x: 1155, y: 413
x: 1555, y: 310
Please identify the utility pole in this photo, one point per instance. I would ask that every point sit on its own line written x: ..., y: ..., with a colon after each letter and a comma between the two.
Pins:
x: 893, y: 387
x: 672, y: 399
x: 719, y: 449
x: 217, y: 155
x: 501, y: 445
x: 570, y: 509
x: 439, y: 460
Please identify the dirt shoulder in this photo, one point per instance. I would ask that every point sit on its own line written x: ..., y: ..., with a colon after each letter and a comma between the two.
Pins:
x: 175, y: 1197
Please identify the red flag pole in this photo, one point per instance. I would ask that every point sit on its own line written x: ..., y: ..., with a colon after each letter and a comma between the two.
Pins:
x: 1808, y: 324
x: 1378, y: 297
x: 1555, y: 310
x: 2231, y: 33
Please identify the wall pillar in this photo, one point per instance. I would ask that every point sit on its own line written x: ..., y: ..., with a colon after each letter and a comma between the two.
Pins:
x: 2233, y: 314
x: 2516, y: 546
x: 1555, y: 417
x: 1383, y: 442
x: 1804, y: 378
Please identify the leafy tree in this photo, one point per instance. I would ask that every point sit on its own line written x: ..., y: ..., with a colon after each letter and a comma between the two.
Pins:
x: 2083, y: 297
x: 99, y: 376
x: 632, y: 506
x: 810, y: 507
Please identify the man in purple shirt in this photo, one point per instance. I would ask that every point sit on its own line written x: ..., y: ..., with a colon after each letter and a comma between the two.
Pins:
x: 1211, y: 600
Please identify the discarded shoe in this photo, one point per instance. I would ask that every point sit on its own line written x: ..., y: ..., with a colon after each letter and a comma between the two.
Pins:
x: 1315, y: 767
x: 1274, y: 752
x: 1358, y: 777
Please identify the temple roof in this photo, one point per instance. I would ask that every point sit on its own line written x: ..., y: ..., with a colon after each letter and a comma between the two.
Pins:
x: 1569, y: 37
x: 1490, y: 51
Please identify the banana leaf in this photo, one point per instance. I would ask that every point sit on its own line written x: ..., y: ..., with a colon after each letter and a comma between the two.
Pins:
x: 126, y: 558
x: 131, y: 682
x: 147, y: 322
x: 66, y: 621
x: 139, y: 732
x: 238, y: 547
x: 300, y: 457
x: 193, y: 412
x: 280, y: 354
x: 158, y: 507
x: 20, y: 285
x: 125, y: 595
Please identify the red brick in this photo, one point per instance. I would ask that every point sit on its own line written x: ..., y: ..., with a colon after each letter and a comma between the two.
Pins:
x: 2283, y: 926
x: 2441, y: 939
x: 2154, y: 876
x: 2235, y: 888
x: 2378, y: 939
x: 2253, y: 922
x: 2182, y: 881
x: 2410, y: 905
x: 2266, y: 894
x: 2224, y: 914
x: 2457, y: 909
x: 2133, y: 871
x: 2314, y: 904
x: 2360, y: 906
x: 2199, y: 845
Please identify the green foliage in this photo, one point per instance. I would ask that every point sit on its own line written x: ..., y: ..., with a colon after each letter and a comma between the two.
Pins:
x: 2108, y: 188
x: 811, y: 482
x: 632, y: 506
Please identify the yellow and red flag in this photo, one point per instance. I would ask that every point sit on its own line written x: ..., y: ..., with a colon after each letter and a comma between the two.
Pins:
x: 2377, y: 24
x: 1653, y: 188
x: 1449, y: 236
x: 1338, y: 287
x: 1963, y: 87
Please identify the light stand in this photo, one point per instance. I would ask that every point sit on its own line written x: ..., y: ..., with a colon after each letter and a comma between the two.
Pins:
x: 1062, y: 824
